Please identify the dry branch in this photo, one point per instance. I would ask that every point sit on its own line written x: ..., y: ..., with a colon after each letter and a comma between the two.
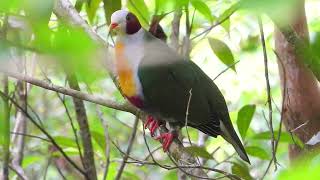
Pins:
x: 266, y: 73
x: 126, y: 156
x: 81, y: 116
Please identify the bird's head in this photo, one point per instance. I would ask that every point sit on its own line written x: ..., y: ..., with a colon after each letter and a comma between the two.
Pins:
x: 124, y: 23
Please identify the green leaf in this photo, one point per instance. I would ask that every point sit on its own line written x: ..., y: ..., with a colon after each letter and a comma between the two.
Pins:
x: 199, y: 151
x: 202, y: 8
x: 74, y: 51
x: 245, y: 116
x: 241, y: 170
x: 285, y: 137
x: 30, y: 159
x: 140, y: 9
x: 222, y: 51
x: 100, y: 140
x: 225, y: 16
x: 110, y: 6
x: 164, y: 6
x: 257, y: 152
x: 92, y: 8
x: 65, y: 141
x: 182, y: 3
x: 8, y: 5
x: 68, y: 151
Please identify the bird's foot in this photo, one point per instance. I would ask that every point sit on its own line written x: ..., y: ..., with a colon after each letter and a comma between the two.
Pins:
x: 152, y: 124
x: 167, y: 139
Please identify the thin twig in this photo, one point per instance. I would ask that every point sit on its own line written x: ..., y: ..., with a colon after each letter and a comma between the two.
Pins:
x: 74, y: 130
x: 59, y: 171
x: 148, y: 148
x: 107, y: 141
x: 31, y: 136
x: 213, y: 26
x: 47, y: 167
x: 226, y: 69
x: 266, y: 71
x: 19, y: 171
x: 231, y: 176
x: 282, y: 112
x: 186, y: 116
x: 130, y: 143
x: 151, y: 153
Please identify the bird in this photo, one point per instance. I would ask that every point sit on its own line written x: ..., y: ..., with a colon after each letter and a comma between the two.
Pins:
x: 170, y: 88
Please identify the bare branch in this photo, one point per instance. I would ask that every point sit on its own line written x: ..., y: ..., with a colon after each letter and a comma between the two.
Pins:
x: 131, y: 139
x: 19, y: 171
x: 71, y: 92
x: 214, y: 25
x: 81, y: 116
x: 74, y: 130
x: 266, y: 71
x: 107, y: 140
x: 18, y: 142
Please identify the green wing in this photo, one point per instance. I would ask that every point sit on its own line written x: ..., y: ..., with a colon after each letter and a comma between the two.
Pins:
x: 167, y: 90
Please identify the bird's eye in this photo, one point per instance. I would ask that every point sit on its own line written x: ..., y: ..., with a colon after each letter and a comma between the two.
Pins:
x: 128, y: 18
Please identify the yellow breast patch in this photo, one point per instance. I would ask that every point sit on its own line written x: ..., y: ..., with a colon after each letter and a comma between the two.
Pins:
x: 125, y: 72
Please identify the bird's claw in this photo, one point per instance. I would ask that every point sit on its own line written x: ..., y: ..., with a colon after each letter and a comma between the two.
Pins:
x: 149, y: 120
x: 152, y: 123
x: 167, y: 139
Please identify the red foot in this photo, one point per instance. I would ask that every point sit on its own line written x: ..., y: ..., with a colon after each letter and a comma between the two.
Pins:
x: 152, y: 123
x: 167, y: 139
x: 149, y: 120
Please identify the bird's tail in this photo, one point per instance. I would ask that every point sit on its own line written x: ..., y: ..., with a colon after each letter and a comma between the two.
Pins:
x: 229, y: 134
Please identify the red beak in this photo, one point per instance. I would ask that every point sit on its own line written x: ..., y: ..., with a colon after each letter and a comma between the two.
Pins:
x: 113, y: 25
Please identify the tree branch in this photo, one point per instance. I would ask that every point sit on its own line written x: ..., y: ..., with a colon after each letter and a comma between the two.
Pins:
x: 73, y: 93
x: 107, y: 140
x: 266, y: 72
x: 81, y: 116
x: 125, y: 157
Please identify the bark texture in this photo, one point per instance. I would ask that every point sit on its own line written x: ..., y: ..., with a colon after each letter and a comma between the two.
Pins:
x: 88, y: 159
x: 300, y: 88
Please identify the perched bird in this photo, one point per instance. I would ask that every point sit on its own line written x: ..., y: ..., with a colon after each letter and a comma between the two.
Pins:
x: 167, y: 86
